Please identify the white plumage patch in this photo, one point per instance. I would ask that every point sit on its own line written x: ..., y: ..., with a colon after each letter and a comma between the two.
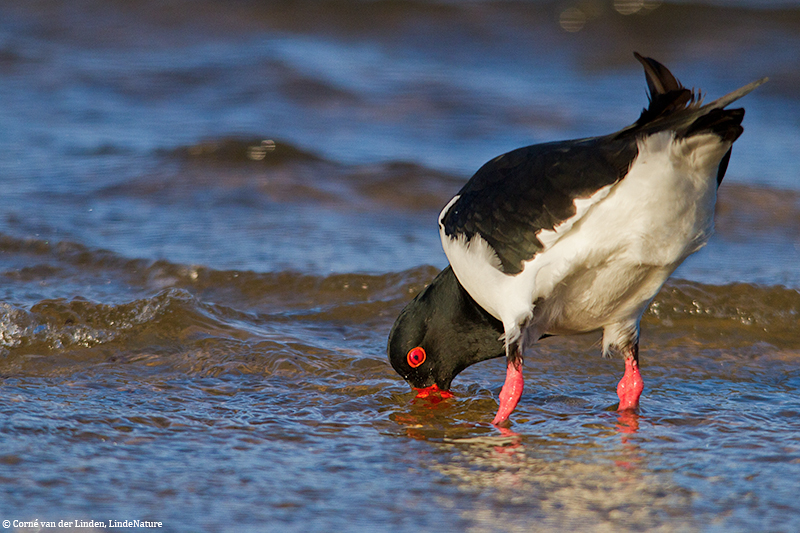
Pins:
x: 603, y: 266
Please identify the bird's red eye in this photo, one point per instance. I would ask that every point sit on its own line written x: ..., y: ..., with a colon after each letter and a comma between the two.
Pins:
x: 416, y: 356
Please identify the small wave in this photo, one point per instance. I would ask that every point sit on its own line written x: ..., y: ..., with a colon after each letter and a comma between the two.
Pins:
x: 175, y: 331
x: 255, y: 167
x: 730, y: 314
x: 186, y: 317
x: 264, y: 151
x: 59, y: 324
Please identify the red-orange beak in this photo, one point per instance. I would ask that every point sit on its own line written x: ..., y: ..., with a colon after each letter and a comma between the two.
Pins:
x: 434, y: 391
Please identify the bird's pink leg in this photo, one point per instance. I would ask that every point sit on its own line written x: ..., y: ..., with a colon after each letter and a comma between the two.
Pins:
x: 631, y: 385
x: 511, y: 391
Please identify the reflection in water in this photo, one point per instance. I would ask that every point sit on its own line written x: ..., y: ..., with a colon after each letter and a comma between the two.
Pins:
x: 570, y: 474
x: 561, y: 482
x: 627, y: 422
x: 628, y: 425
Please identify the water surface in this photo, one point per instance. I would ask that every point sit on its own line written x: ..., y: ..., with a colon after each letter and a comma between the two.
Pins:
x: 212, y: 213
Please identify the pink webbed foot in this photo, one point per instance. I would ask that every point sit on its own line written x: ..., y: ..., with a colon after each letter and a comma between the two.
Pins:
x: 511, y: 391
x: 631, y: 385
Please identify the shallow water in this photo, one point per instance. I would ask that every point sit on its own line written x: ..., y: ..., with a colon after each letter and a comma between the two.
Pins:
x: 212, y: 213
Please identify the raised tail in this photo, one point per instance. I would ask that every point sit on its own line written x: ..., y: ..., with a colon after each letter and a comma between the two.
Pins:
x: 668, y: 97
x: 674, y: 107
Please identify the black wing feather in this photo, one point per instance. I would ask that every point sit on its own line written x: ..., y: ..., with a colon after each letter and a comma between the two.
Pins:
x: 513, y: 197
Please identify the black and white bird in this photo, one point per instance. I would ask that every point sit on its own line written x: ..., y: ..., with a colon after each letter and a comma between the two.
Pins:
x: 570, y: 237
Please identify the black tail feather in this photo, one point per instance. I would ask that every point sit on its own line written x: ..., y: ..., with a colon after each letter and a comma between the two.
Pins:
x: 659, y: 79
x: 667, y: 95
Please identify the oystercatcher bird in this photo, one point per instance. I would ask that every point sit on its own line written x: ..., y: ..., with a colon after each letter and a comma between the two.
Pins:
x: 570, y: 237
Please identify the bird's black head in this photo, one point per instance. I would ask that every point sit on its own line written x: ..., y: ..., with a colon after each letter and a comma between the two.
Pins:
x: 442, y: 332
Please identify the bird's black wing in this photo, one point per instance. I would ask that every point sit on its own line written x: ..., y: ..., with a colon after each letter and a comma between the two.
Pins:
x: 515, y: 196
